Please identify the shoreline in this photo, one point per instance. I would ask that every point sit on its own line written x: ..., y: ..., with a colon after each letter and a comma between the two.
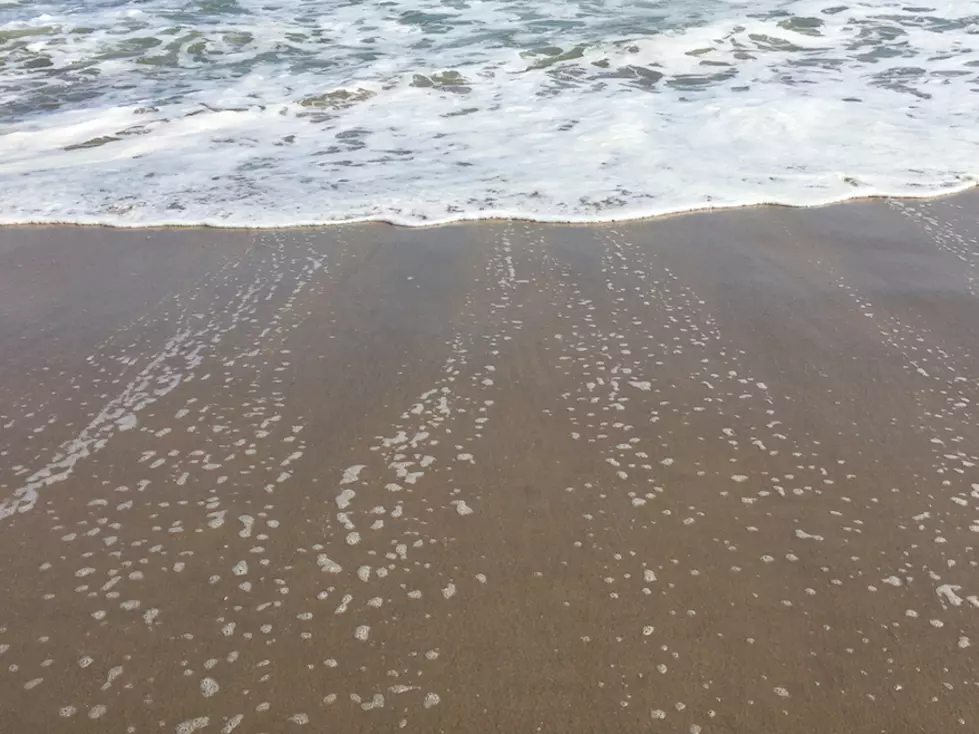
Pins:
x: 475, y: 220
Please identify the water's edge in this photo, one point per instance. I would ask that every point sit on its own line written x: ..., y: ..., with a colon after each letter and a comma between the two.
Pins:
x: 489, y: 217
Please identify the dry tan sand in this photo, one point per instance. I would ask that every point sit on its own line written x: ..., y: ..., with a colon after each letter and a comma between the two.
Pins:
x: 710, y: 473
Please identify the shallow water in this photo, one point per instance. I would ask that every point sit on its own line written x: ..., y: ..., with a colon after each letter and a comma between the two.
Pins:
x: 276, y: 112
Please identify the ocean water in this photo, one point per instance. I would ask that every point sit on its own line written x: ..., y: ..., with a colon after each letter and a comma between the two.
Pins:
x: 263, y: 113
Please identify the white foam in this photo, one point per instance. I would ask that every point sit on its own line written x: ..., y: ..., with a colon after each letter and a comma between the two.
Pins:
x: 209, y: 687
x: 157, y: 379
x: 634, y: 112
x: 327, y: 565
x: 946, y: 592
x: 344, y: 498
x: 352, y: 473
x: 431, y: 699
x: 192, y: 725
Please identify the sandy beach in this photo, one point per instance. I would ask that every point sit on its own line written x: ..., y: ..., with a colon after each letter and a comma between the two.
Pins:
x: 706, y: 473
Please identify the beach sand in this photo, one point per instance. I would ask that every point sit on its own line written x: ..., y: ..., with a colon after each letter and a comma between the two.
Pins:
x: 706, y: 473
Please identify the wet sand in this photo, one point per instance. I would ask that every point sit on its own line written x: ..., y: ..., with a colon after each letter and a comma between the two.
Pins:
x: 709, y: 473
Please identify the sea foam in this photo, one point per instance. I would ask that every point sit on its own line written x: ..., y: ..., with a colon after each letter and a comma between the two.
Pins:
x: 263, y: 113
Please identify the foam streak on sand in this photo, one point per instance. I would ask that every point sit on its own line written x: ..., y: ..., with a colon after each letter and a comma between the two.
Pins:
x: 267, y: 113
x: 177, y: 361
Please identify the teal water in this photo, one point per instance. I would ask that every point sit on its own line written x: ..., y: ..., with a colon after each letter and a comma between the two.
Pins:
x: 275, y: 112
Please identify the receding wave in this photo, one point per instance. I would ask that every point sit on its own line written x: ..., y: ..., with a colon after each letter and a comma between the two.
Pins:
x: 256, y: 113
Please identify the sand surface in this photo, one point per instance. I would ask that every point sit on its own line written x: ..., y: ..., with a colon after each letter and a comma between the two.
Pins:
x: 710, y: 473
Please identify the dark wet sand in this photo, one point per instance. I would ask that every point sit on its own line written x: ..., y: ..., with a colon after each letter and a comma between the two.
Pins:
x: 710, y: 473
